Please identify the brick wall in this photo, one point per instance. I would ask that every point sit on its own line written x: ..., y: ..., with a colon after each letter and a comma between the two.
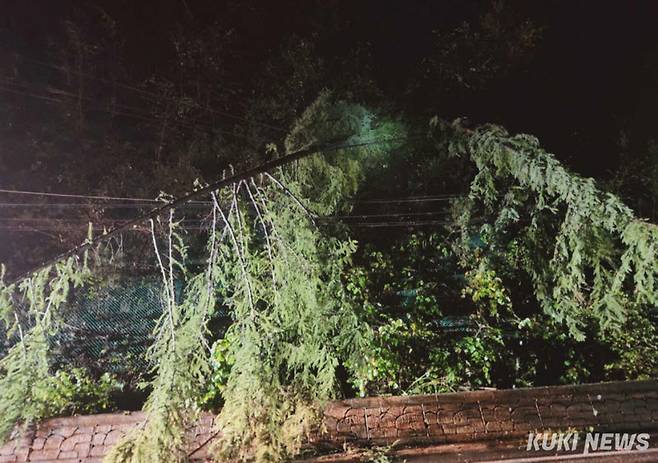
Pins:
x: 88, y: 438
x: 481, y: 415
x: 448, y: 419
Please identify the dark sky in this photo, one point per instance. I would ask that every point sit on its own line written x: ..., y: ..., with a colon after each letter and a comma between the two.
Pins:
x: 594, y: 72
x: 592, y: 75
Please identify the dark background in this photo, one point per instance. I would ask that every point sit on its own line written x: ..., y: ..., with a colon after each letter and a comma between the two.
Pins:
x: 593, y: 71
x: 587, y: 87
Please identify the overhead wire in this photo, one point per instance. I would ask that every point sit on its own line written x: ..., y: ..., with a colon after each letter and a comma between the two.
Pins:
x: 79, y: 196
x: 247, y: 173
x: 134, y: 113
x: 19, y: 92
x: 142, y: 91
x: 391, y: 214
x: 33, y: 229
x: 137, y: 202
x: 132, y: 205
x: 409, y: 199
x: 365, y: 220
x: 157, y: 210
x: 346, y: 219
x: 400, y: 223
x: 394, y: 224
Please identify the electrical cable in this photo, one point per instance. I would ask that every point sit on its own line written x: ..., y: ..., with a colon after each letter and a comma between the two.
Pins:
x: 343, y: 218
x: 132, y: 205
x: 98, y: 197
x: 147, y: 201
x: 136, y: 204
x: 142, y: 91
x: 258, y: 169
x: 399, y: 224
x: 392, y: 214
x: 410, y: 199
x: 135, y: 114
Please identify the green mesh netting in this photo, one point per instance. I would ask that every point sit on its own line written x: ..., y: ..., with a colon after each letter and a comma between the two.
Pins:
x: 105, y: 329
x: 108, y: 329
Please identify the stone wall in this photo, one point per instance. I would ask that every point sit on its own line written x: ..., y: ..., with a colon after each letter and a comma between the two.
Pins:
x: 88, y: 438
x: 445, y: 419
x: 491, y: 414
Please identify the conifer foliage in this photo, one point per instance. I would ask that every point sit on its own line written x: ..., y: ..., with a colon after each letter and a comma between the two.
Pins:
x: 279, y: 276
x: 276, y: 267
x: 584, y: 249
x: 30, y: 310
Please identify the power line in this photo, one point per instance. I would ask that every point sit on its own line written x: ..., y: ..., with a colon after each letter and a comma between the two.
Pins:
x: 84, y: 227
x: 142, y: 91
x: 200, y: 227
x: 40, y: 229
x: 392, y: 214
x: 393, y: 224
x: 98, y: 197
x: 42, y: 205
x: 148, y: 201
x: 411, y: 199
x: 133, y: 205
x: 400, y: 224
x: 20, y: 88
x: 135, y: 114
x: 118, y: 83
x: 21, y: 92
x: 73, y: 220
x: 266, y: 166
x: 343, y: 218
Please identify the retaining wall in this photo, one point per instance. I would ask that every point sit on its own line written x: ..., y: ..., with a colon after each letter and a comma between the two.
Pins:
x: 429, y: 420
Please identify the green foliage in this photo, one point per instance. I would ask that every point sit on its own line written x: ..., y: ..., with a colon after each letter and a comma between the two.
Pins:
x: 221, y: 361
x: 440, y: 326
x: 279, y: 276
x: 25, y: 375
x: 428, y: 336
x: 293, y: 325
x: 634, y: 347
x: 178, y: 355
x: 294, y: 322
x: 75, y: 392
x: 585, y: 251
x: 341, y: 172
x: 486, y: 288
x: 441, y: 315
